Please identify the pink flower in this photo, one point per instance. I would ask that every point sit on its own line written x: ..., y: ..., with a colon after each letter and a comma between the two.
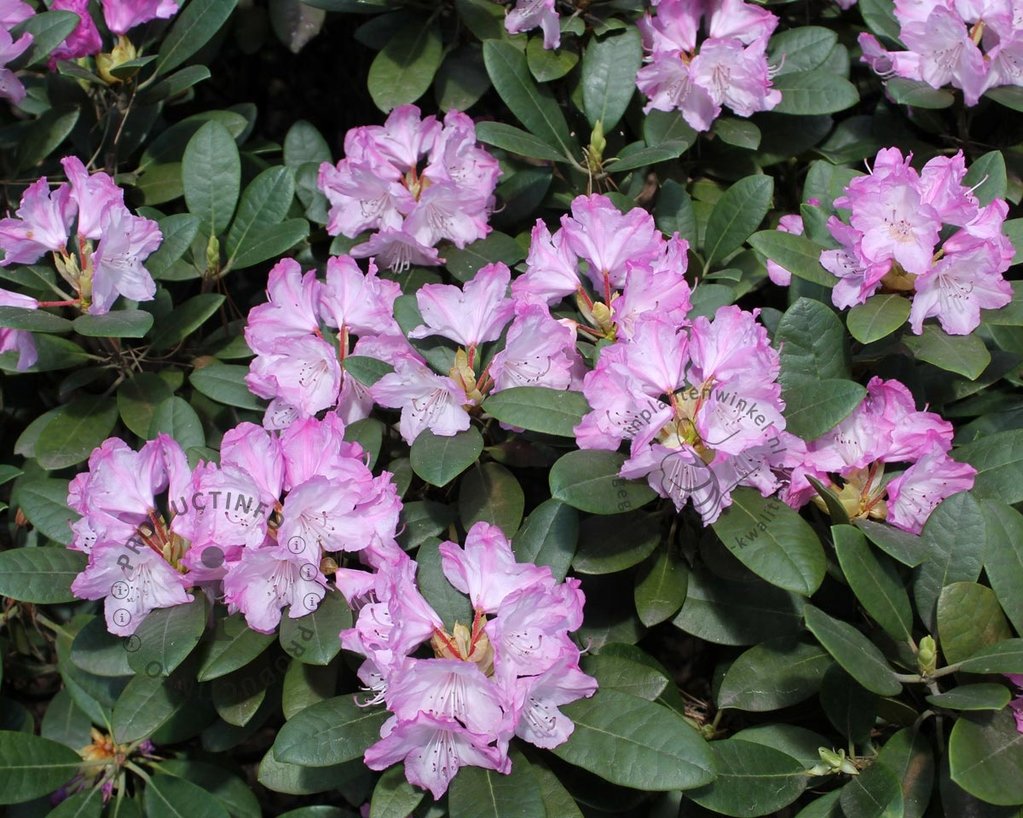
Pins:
x: 302, y: 372
x: 427, y: 400
x: 10, y: 49
x: 486, y: 569
x: 536, y: 700
x: 17, y: 340
x: 123, y: 15
x: 915, y: 493
x: 539, y: 351
x: 266, y: 580
x: 84, y: 41
x: 789, y: 223
x: 42, y: 223
x: 476, y: 313
x: 529, y: 14
x: 379, y: 186
x: 13, y: 12
x: 291, y: 311
x: 358, y: 302
x: 433, y: 749
x: 126, y: 242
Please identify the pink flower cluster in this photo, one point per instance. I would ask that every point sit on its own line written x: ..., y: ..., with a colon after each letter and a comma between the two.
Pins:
x: 17, y: 340
x: 252, y: 530
x: 415, y: 182
x: 94, y: 204
x: 885, y: 428
x: 699, y: 404
x: 972, y: 45
x: 528, y: 14
x: 504, y: 675
x: 893, y: 241
x: 302, y: 373
x: 697, y: 76
x: 12, y: 12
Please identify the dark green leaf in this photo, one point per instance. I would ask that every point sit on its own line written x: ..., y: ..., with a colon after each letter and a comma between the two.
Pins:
x: 479, y: 793
x: 166, y: 637
x: 549, y: 537
x: 1003, y: 557
x: 490, y: 493
x: 878, y: 317
x: 609, y: 76
x: 661, y: 587
x: 982, y: 696
x: 329, y: 733
x: 969, y: 620
x: 814, y: 92
x: 963, y: 354
x: 75, y: 430
x: 39, y: 575
x: 774, y: 674
x: 985, y: 756
x: 875, y: 582
x: 539, y: 409
x: 211, y: 175
x: 589, y: 481
x: 439, y: 460
x: 233, y: 645
x: 313, y: 638
x: 752, y: 780
x: 225, y: 383
x: 31, y: 767
x: 192, y: 29
x: 860, y: 658
x: 736, y: 215
x: 404, y: 70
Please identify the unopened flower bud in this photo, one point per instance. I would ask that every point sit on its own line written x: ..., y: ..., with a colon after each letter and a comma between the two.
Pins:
x: 927, y: 656
x: 121, y: 53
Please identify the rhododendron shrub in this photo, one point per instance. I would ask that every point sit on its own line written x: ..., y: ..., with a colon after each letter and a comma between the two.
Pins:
x: 538, y: 408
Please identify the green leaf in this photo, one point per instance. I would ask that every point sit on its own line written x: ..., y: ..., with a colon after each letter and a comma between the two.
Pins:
x: 797, y: 254
x: 589, y: 481
x: 969, y: 619
x: 393, y: 796
x: 166, y: 637
x: 517, y: 141
x: 366, y: 370
x: 421, y: 520
x: 813, y: 409
x: 31, y: 767
x: 954, y: 534
x: 271, y: 241
x: 329, y: 733
x: 998, y: 459
x: 798, y: 742
x: 774, y: 674
x: 225, y: 383
x: 231, y: 791
x: 982, y: 696
x: 95, y: 650
x: 556, y: 799
x: 1010, y: 96
x: 875, y: 582
x: 908, y: 754
x: 1004, y: 657
x: 547, y: 64
x: 176, y: 326
x: 80, y: 805
x: 176, y: 83
x: 850, y: 707
x: 773, y: 541
x: 801, y: 49
x: 549, y: 537
x: 534, y: 106
x: 43, y: 136
x: 169, y: 797
x: 463, y: 264
x: 987, y: 177
x: 909, y: 549
x: 450, y: 604
x: 211, y: 175
x: 137, y: 400
x: 611, y: 544
x: 461, y: 80
x: 737, y: 613
x: 812, y: 345
x: 439, y: 460
x: 860, y: 658
x: 918, y: 94
x: 48, y: 29
x: 752, y: 780
x: 176, y: 418
x: 739, y: 132
x: 878, y: 317
x: 660, y: 588
x: 814, y: 92
x: 482, y: 18
x: 609, y: 76
x: 985, y: 756
x: 44, y: 502
x: 298, y: 780
x: 119, y: 324
x: 305, y: 685
x: 313, y: 638
x: 31, y: 320
x: 490, y: 493
x: 192, y: 29
x: 42, y: 576
x: 619, y: 673
x: 233, y: 645
x: 238, y: 696
x: 736, y: 215
x: 963, y: 354
x: 479, y: 793
x: 539, y: 409
x: 635, y: 743
x: 875, y: 793
x: 641, y: 157
x: 264, y: 204
x: 1003, y: 557
x: 75, y: 430
x: 404, y: 70
x: 146, y: 703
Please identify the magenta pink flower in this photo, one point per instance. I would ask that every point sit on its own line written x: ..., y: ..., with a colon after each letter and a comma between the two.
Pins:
x: 11, y: 87
x: 41, y: 224
x: 539, y: 351
x: 84, y: 41
x: 123, y: 15
x: 353, y: 301
x: 427, y: 400
x: 915, y: 493
x: 13, y: 12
